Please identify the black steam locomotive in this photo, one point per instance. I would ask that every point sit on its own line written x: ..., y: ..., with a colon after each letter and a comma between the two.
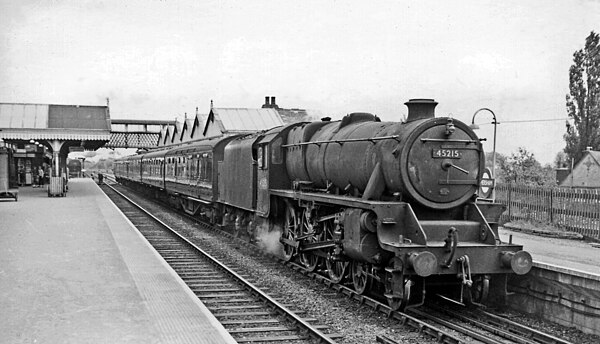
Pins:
x: 391, y: 206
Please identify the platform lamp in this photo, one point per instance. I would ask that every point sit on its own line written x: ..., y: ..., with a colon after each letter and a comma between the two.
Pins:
x: 475, y: 127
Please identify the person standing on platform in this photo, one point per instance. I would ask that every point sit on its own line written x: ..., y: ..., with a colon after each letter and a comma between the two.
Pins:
x: 41, y: 177
x: 36, y: 182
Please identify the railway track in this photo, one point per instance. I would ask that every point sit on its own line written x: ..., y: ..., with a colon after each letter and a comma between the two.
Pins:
x: 247, y: 312
x: 484, y: 326
x: 450, y: 323
x: 445, y: 323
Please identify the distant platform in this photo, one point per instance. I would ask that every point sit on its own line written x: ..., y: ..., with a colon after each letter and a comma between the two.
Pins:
x: 74, y: 270
x: 566, y: 253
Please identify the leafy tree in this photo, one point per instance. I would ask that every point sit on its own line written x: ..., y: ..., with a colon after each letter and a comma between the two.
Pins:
x: 523, y: 168
x: 561, y: 160
x: 500, y: 161
x: 583, y: 100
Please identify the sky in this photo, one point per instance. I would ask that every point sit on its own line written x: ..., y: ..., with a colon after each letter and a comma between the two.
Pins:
x: 162, y: 59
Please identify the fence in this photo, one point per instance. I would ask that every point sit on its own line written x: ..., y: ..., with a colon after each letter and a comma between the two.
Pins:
x: 577, y: 210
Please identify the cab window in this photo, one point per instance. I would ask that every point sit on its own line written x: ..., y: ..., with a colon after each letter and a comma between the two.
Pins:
x: 276, y: 154
x: 263, y: 157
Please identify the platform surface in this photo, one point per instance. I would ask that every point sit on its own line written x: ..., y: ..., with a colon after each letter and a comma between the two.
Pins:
x: 566, y: 253
x: 74, y: 270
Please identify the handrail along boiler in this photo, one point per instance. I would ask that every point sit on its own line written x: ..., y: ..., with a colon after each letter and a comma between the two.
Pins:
x: 390, y: 206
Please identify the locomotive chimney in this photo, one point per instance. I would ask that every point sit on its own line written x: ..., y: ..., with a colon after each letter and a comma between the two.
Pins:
x: 420, y: 109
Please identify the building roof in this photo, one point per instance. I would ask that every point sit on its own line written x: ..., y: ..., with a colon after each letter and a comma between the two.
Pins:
x: 595, y: 155
x: 188, y: 128
x: 166, y: 135
x: 242, y: 119
x: 177, y: 131
x: 582, y: 179
x: 54, y: 122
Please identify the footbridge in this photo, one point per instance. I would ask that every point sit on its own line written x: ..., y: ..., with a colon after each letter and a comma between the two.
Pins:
x: 131, y: 133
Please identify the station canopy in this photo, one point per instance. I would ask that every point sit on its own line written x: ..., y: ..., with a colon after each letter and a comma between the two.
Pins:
x: 85, y: 126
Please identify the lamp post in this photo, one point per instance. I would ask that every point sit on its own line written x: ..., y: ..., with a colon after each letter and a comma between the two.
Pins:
x: 475, y: 127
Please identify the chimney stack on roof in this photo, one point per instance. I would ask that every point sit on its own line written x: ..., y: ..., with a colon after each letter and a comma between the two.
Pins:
x: 270, y: 103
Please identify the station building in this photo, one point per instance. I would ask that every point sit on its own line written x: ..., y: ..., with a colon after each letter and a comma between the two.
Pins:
x: 42, y: 135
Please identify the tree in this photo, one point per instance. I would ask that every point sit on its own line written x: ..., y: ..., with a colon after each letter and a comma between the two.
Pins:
x: 500, y: 161
x: 561, y: 160
x: 583, y: 100
x: 523, y: 168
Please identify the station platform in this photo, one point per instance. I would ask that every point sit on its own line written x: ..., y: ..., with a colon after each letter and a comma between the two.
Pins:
x: 74, y: 270
x: 563, y: 253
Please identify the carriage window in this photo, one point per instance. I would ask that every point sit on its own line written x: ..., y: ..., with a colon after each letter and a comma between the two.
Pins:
x: 209, y: 168
x: 198, y: 167
x: 201, y: 168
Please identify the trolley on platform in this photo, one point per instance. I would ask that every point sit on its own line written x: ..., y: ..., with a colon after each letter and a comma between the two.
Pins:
x: 9, y: 187
x: 57, y: 187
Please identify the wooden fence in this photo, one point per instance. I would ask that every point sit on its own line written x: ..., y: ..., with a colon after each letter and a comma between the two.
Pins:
x: 577, y: 210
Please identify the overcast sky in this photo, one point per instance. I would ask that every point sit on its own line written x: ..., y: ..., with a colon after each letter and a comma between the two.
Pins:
x: 161, y: 59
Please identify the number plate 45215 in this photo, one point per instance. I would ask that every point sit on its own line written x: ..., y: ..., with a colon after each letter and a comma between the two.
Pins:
x: 446, y: 153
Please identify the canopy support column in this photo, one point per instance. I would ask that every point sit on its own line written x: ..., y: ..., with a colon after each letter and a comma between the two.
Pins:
x: 56, y: 146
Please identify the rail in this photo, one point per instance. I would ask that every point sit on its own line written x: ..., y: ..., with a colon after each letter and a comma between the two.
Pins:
x: 419, y: 321
x: 306, y: 327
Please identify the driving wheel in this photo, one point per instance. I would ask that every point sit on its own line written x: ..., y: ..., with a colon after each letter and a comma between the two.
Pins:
x: 336, y: 269
x: 360, y: 278
x: 308, y: 259
x: 290, y: 231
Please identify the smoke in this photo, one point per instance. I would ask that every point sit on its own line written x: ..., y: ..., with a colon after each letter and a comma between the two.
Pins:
x: 268, y: 240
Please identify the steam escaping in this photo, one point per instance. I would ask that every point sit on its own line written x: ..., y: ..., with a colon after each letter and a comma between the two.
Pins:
x: 268, y: 241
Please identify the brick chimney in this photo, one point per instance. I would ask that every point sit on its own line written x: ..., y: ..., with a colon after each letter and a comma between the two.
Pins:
x: 270, y: 103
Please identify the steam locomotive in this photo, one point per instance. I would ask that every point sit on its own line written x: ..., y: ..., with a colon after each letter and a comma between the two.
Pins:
x: 386, y: 206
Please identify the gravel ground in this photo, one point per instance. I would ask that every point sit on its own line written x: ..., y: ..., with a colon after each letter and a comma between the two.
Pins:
x: 568, y: 333
x: 358, y: 324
